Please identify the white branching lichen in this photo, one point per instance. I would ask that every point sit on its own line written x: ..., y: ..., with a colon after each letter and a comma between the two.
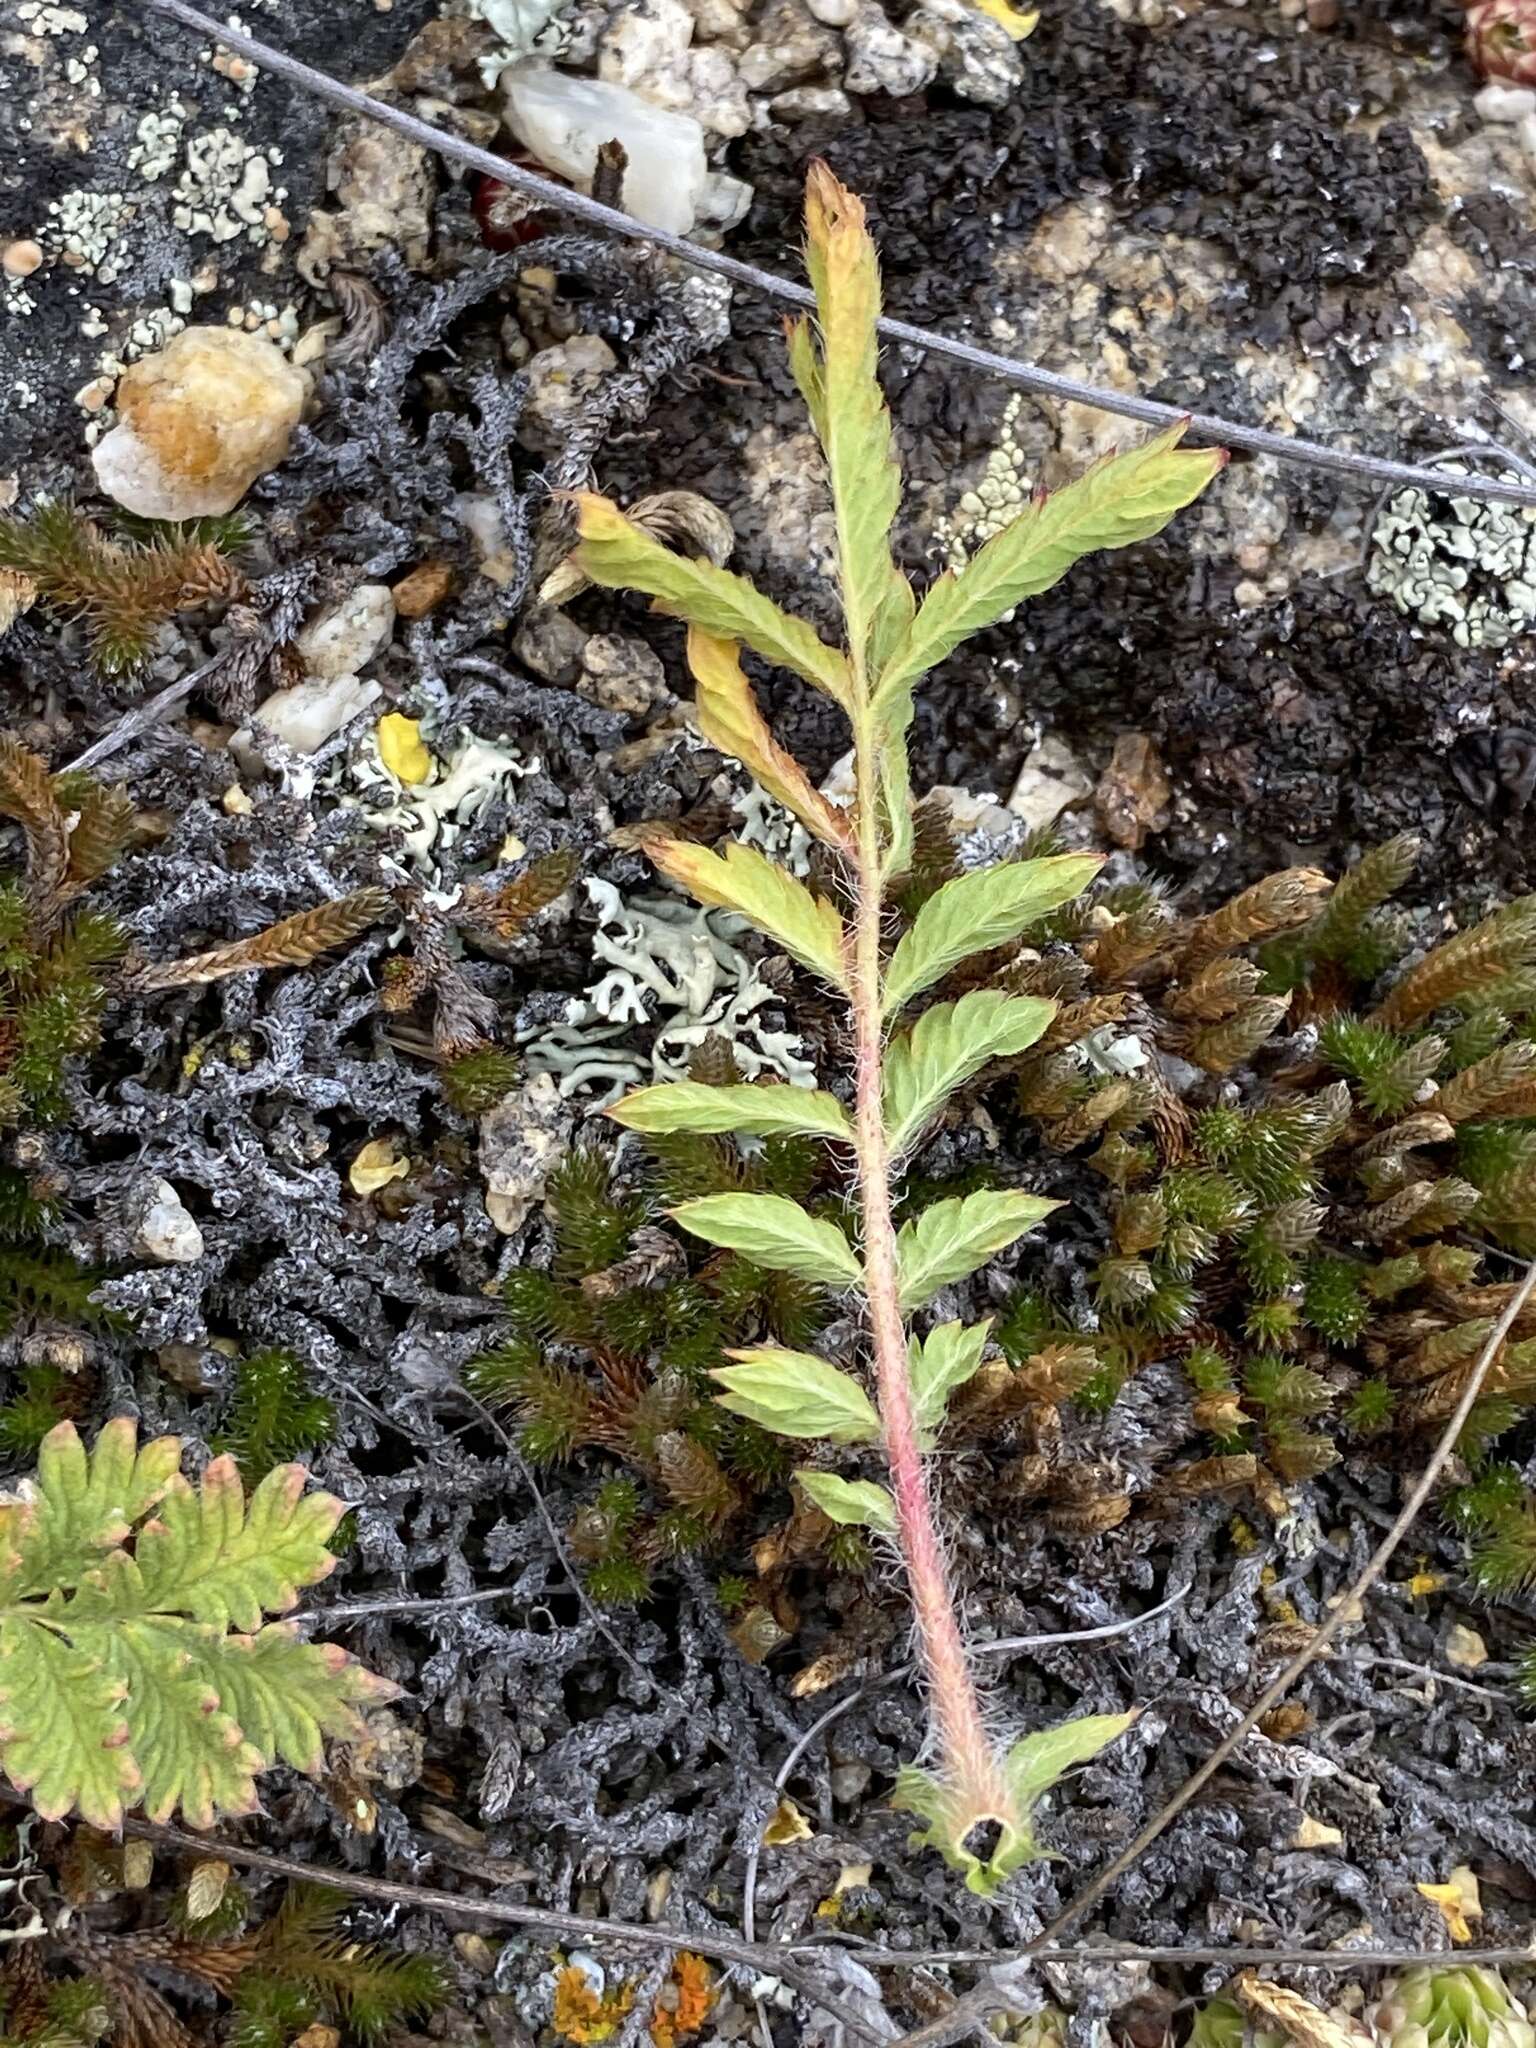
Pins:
x: 1462, y: 563
x: 430, y: 816
x: 673, y: 965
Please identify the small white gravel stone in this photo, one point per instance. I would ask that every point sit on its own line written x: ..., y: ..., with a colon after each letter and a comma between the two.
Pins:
x: 342, y: 641
x: 1052, y: 776
x: 565, y: 120
x: 305, y: 715
x: 167, y: 1230
x: 1498, y: 102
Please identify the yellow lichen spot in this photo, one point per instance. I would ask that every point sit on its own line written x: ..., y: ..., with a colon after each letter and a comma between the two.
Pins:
x: 376, y: 1166
x: 684, y: 2004
x: 193, y: 1058
x: 584, y: 2014
x: 1459, y: 1900
x: 1243, y: 1538
x: 401, y: 747
x: 1017, y: 24
x: 786, y: 1824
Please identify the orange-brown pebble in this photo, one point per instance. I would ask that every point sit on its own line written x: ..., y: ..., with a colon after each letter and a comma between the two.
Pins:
x: 423, y: 590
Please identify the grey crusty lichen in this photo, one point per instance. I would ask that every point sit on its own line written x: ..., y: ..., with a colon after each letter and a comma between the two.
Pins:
x: 1457, y: 562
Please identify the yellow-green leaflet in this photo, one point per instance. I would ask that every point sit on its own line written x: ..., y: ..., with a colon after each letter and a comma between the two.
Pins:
x: 774, y: 1232
x: 763, y: 1110
x: 744, y: 880
x: 1122, y: 499
x: 852, y: 420
x: 939, y: 1364
x: 856, y: 1503
x: 794, y: 1393
x: 1041, y: 1761
x: 946, y: 1046
x: 730, y: 720
x: 977, y: 911
x: 953, y: 1238
x: 620, y: 557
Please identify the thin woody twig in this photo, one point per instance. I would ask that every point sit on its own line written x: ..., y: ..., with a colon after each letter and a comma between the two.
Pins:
x: 724, y: 1948
x: 1371, y: 469
x: 1335, y: 1961
x: 1346, y: 1610
x: 145, y: 717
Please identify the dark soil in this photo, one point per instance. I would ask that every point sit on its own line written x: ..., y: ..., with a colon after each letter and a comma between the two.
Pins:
x: 582, y: 1761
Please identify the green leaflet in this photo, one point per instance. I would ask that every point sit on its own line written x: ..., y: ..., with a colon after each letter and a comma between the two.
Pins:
x: 744, y: 880
x: 286, y: 1694
x: 805, y: 367
x: 946, y: 1046
x: 794, y: 1393
x: 760, y: 1111
x: 621, y: 557
x: 191, y: 1753
x: 851, y: 419
x: 772, y: 1231
x: 1122, y: 499
x: 128, y: 1688
x: 62, y: 1727
x: 729, y: 719
x: 225, y: 1561
x: 977, y: 911
x: 856, y: 1503
x: 953, y: 1238
x: 1040, y: 1761
x: 85, y: 1505
x: 940, y: 1364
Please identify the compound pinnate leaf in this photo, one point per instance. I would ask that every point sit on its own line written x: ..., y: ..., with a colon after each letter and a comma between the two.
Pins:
x: 761, y: 1111
x: 772, y: 1231
x: 730, y: 720
x: 1122, y: 499
x: 118, y: 1681
x: 947, y: 1046
x: 974, y: 912
x: 953, y: 1238
x: 1040, y: 1761
x: 940, y: 1364
x: 617, y: 554
x: 218, y: 1558
x: 63, y: 1735
x: 854, y: 1503
x: 794, y: 1393
x: 746, y: 881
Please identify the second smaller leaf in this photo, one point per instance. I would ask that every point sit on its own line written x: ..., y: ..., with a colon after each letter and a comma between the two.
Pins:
x: 947, y: 1046
x: 941, y: 1363
x: 854, y: 1503
x: 772, y: 1231
x: 794, y: 1393
x: 763, y: 1110
x: 953, y: 1238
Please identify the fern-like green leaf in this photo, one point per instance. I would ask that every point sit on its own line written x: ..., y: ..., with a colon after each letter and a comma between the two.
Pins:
x: 763, y: 1111
x: 953, y: 1238
x: 118, y: 1679
x: 1122, y: 499
x: 947, y: 1046
x: 774, y: 1232
x: 978, y: 911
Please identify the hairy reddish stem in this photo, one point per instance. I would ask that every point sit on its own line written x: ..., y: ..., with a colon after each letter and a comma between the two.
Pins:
x: 968, y: 1765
